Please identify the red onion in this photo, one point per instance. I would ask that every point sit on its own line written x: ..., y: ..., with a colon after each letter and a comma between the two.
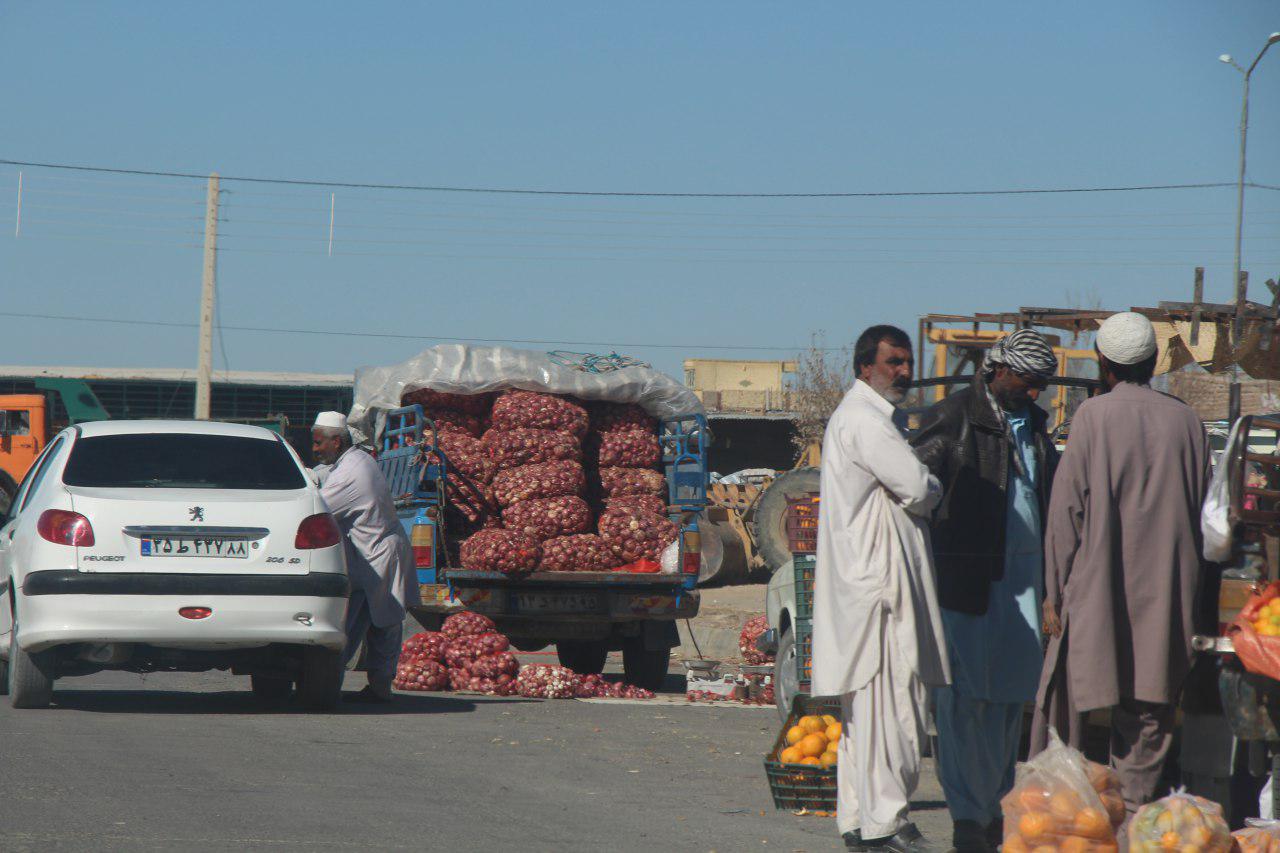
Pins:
x: 613, y: 417
x: 500, y: 551
x: 544, y: 681
x: 585, y: 552
x: 751, y: 632
x: 545, y: 518
x: 632, y: 534
x: 531, y: 410
x: 622, y: 449
x: 511, y: 448
x: 473, y: 404
x: 544, y: 480
x: 466, y: 624
x: 615, y: 482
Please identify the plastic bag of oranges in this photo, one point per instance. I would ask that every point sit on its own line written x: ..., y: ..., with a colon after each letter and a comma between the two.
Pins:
x: 1062, y: 801
x: 812, y: 740
x: 1258, y: 836
x: 1180, y: 822
x: 1255, y: 633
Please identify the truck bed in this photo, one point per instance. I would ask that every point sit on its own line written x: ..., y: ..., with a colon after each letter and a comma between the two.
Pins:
x: 465, y: 577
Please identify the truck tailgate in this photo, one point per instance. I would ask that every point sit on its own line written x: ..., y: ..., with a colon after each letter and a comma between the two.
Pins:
x: 588, y: 595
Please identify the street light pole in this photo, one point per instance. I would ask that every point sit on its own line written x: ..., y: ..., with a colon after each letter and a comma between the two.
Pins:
x: 1244, y: 133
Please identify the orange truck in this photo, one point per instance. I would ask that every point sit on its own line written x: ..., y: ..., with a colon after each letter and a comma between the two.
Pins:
x: 26, y: 422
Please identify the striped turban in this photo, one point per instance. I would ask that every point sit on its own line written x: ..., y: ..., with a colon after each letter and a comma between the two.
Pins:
x: 1025, y: 351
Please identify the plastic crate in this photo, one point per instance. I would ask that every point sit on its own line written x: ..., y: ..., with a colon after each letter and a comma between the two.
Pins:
x: 802, y: 523
x: 804, y: 568
x: 804, y: 652
x: 802, y: 786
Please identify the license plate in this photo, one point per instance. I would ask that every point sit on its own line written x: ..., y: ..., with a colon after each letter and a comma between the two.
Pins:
x: 569, y: 602
x: 234, y: 549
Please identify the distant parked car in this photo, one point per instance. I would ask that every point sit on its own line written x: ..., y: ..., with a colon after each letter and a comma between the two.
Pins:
x: 171, y: 546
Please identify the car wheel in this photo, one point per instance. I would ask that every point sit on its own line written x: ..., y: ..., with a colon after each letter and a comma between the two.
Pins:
x: 29, y: 680
x: 585, y: 657
x: 643, y: 667
x: 320, y: 682
x: 786, y: 678
x: 271, y: 689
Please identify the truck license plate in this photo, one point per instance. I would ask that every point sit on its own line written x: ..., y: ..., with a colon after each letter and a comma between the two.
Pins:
x: 567, y: 602
x: 235, y: 549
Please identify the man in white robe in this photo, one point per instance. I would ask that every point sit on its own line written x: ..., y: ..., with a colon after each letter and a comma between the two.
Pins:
x: 379, y: 557
x: 877, y: 629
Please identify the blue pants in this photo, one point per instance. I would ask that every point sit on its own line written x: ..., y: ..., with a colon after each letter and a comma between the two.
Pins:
x: 977, y: 751
x: 382, y: 645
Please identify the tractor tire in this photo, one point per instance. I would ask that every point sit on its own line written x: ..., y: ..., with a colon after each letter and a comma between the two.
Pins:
x: 771, y: 514
x: 585, y: 657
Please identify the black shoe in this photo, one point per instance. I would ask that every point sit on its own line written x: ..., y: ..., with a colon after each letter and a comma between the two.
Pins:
x: 853, y: 841
x: 369, y: 696
x: 905, y: 840
x: 995, y: 833
x: 969, y: 836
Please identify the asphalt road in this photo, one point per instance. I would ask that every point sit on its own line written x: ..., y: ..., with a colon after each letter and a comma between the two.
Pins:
x: 161, y: 762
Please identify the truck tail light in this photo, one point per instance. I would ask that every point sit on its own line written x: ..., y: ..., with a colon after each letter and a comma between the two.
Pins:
x: 317, y: 531
x: 692, y: 552
x: 423, y: 539
x: 62, y: 527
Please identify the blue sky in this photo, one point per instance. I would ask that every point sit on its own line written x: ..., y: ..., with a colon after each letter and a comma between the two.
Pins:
x: 667, y: 97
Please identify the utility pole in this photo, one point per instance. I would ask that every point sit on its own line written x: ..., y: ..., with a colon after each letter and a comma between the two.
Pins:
x: 208, y: 288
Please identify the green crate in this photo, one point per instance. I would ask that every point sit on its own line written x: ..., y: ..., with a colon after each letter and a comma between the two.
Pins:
x: 804, y: 653
x: 802, y: 786
x: 804, y: 567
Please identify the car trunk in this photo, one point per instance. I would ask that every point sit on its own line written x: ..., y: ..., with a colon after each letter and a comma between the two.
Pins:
x: 222, y: 531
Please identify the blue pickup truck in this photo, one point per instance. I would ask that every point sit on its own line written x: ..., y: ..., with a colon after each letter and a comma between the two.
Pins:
x: 584, y: 614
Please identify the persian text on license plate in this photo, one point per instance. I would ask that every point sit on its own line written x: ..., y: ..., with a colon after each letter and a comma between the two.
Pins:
x: 234, y: 549
x: 535, y: 602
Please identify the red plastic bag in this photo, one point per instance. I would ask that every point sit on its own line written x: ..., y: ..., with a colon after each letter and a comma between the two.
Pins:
x: 1258, y: 651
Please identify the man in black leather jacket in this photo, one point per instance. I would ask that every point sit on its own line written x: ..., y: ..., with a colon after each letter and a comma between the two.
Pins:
x: 988, y: 446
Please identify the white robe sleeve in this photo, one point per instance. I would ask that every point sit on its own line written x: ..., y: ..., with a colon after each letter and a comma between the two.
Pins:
x: 886, y: 454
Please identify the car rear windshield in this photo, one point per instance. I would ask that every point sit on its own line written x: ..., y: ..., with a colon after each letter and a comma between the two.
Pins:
x: 181, y: 461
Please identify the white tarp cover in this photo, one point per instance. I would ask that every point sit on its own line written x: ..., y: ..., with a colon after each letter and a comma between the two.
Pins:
x: 462, y: 369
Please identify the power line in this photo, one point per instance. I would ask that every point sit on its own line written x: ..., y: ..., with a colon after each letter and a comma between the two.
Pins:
x: 622, y: 194
x: 393, y: 336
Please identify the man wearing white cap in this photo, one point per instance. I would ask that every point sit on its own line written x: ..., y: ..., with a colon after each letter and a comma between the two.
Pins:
x: 379, y: 557
x: 1122, y: 561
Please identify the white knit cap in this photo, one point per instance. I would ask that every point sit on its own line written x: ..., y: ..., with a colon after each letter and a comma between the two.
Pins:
x: 331, y: 420
x: 1127, y: 338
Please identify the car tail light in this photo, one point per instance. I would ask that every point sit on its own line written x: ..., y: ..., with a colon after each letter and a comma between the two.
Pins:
x: 65, y: 528
x: 423, y: 539
x: 195, y: 612
x: 692, y: 552
x: 317, y: 531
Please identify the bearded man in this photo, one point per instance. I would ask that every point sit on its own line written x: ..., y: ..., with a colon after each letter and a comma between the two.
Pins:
x: 877, y: 633
x: 988, y: 446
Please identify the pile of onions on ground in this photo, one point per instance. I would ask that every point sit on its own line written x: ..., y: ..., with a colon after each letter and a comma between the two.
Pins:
x: 469, y: 653
x: 755, y: 627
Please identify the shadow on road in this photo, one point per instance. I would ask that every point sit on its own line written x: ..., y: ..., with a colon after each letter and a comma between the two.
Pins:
x: 242, y: 702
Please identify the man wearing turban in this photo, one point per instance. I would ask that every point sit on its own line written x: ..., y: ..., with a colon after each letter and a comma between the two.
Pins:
x: 1122, y: 561
x: 988, y: 446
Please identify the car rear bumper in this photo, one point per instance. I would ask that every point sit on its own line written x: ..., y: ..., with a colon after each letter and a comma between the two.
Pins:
x: 236, y: 621
x: 67, y: 582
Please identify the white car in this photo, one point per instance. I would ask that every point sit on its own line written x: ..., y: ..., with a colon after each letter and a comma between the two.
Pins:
x: 780, y: 639
x: 172, y: 546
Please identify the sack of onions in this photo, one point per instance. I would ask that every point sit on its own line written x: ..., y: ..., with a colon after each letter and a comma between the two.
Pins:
x: 543, y: 480
x: 511, y: 448
x: 616, y: 482
x: 532, y: 410
x: 545, y: 518
x: 585, y: 552
x: 500, y: 551
x: 632, y: 534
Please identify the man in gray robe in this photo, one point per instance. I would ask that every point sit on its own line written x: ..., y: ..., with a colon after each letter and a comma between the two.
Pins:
x: 379, y: 558
x: 1122, y: 561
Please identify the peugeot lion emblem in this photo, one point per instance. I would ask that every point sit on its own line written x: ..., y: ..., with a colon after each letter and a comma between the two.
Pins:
x: 197, y: 513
